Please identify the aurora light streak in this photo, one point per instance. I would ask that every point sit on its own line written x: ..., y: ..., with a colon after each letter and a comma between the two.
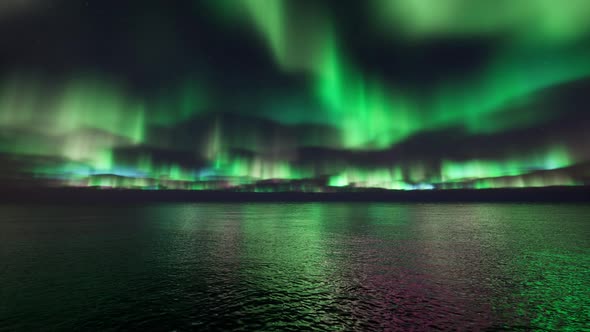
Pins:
x: 307, y: 95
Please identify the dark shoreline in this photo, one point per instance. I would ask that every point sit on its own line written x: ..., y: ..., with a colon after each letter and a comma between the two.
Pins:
x: 124, y: 196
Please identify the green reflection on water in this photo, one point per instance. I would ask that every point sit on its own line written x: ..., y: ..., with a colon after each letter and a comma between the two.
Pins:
x: 279, y: 266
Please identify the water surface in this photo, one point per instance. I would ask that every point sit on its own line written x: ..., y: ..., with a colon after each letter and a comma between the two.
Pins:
x: 327, y: 266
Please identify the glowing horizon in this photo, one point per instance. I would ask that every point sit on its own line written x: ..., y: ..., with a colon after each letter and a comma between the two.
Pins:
x: 305, y: 97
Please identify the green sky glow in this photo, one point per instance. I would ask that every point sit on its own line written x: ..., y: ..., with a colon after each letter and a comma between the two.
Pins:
x: 528, y: 21
x: 315, y: 90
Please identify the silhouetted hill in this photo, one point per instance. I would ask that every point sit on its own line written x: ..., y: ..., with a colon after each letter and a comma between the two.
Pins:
x: 119, y: 196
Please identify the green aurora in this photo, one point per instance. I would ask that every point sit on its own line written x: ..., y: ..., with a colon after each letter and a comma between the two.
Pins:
x: 93, y: 127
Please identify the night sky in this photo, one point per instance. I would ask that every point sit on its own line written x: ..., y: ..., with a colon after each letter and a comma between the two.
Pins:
x: 295, y: 94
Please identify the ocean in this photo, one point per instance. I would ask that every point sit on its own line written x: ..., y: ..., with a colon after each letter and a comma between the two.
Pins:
x: 293, y: 267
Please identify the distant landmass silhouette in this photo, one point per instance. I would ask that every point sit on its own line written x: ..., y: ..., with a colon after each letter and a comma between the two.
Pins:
x: 124, y: 196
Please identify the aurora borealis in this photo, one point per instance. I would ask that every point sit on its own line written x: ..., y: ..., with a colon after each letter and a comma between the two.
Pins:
x: 296, y: 94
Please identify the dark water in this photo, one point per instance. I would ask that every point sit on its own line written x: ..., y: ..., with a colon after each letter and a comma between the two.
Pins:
x: 295, y: 267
